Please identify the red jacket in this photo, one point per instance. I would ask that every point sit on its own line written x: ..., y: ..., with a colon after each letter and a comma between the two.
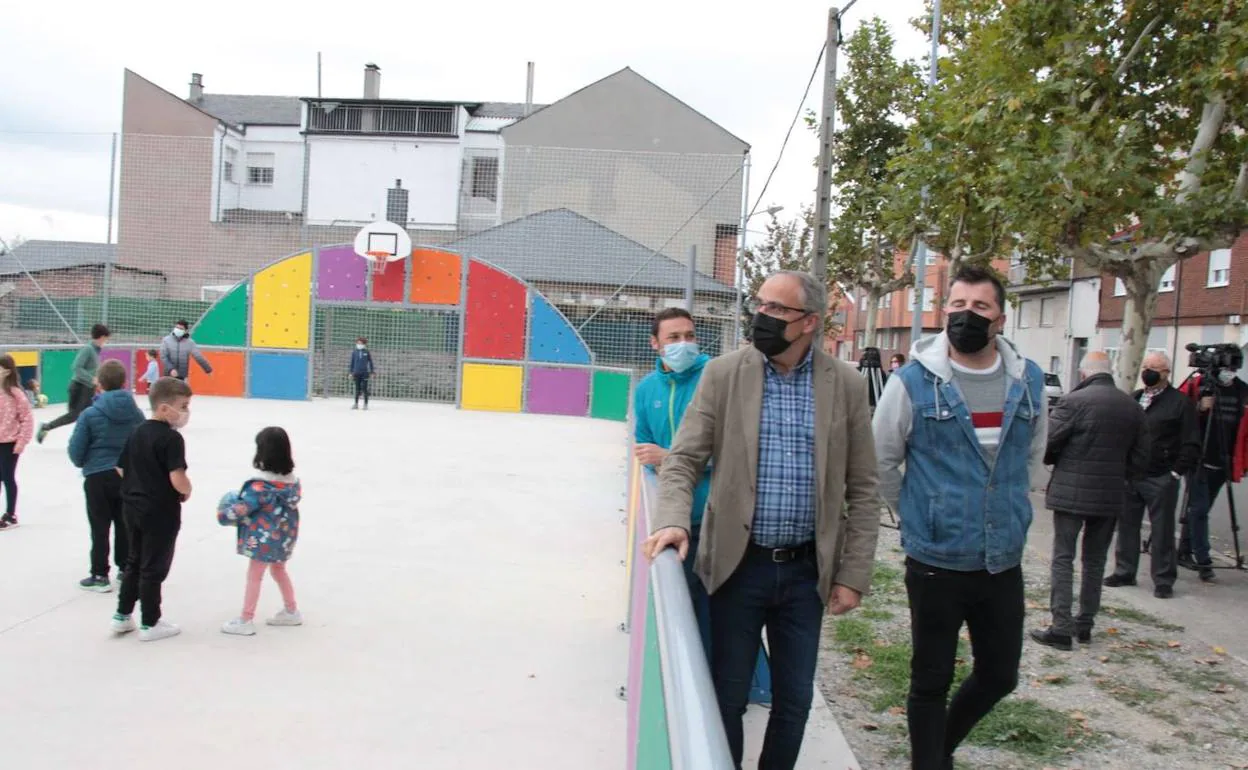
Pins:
x: 1239, y: 455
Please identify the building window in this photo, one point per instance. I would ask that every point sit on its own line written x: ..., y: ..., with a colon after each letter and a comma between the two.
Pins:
x: 1120, y: 288
x: 1055, y: 364
x: 485, y: 178
x: 1024, y: 314
x: 862, y: 340
x: 1046, y: 312
x: 929, y: 299
x: 1167, y: 280
x: 1219, y: 268
x: 260, y: 168
x: 932, y: 258
x: 862, y: 300
x: 227, y: 166
x: 886, y: 301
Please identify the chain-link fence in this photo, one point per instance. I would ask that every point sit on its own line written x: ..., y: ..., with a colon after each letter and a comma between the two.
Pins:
x: 138, y: 231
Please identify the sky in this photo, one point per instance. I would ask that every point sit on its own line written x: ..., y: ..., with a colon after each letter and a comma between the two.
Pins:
x: 743, y: 65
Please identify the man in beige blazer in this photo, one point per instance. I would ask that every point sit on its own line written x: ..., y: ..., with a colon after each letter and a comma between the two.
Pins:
x: 793, y: 516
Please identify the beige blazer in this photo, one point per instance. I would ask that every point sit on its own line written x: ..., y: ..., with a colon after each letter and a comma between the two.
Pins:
x: 722, y: 424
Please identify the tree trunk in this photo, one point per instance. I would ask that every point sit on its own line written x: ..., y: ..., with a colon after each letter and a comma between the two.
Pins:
x: 873, y: 315
x: 1137, y: 322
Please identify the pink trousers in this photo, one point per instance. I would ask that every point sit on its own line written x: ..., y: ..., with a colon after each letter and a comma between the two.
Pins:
x: 255, y: 574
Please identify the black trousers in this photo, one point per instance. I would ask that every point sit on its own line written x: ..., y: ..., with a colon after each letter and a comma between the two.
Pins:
x: 103, y: 493
x: 361, y: 389
x: 79, y: 399
x: 992, y: 608
x: 8, y: 477
x: 151, y: 555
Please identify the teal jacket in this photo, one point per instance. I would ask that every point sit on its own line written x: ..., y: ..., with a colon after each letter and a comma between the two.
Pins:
x: 659, y: 403
x: 86, y: 363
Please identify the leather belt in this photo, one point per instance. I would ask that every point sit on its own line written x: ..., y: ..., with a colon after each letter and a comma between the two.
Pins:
x: 785, y: 555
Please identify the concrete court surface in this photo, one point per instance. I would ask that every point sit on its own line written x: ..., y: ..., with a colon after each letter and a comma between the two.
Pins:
x: 459, y: 574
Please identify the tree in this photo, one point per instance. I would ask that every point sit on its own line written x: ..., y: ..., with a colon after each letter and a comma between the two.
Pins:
x: 1108, y: 131
x: 789, y: 246
x: 875, y: 100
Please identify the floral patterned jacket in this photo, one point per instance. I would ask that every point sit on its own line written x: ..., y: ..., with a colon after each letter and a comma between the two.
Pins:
x: 266, y: 513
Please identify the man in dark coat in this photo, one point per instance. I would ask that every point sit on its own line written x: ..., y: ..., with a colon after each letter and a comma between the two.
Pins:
x: 1098, y: 439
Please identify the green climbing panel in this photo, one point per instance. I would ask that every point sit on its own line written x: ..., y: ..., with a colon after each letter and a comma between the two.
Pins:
x: 610, y: 400
x: 225, y: 323
x: 57, y: 369
x: 653, y: 749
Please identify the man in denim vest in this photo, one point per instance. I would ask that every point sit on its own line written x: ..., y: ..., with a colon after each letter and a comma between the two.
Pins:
x: 968, y: 420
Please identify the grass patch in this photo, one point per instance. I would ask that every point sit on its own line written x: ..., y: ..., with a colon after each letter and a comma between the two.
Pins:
x: 875, y: 613
x: 1128, y: 692
x: 1198, y: 677
x: 1132, y: 615
x: 1157, y: 747
x: 1163, y: 715
x: 888, y: 580
x: 1030, y: 729
x: 1052, y: 661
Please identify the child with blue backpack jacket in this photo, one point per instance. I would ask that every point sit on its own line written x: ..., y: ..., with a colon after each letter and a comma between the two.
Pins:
x: 99, y: 436
x: 266, y: 514
x: 361, y: 369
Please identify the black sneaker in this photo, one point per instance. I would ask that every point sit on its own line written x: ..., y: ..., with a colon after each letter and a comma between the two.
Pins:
x: 1187, y: 561
x: 1116, y: 581
x: 96, y: 583
x: 8, y: 521
x: 1084, y: 637
x: 1206, y: 572
x: 1050, y: 639
x: 1164, y: 592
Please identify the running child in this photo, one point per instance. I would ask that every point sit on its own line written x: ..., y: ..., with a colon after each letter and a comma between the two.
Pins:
x: 95, y: 447
x: 17, y: 426
x: 154, y: 485
x: 266, y: 513
x: 153, y: 368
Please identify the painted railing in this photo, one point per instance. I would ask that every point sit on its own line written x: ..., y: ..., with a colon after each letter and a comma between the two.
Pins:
x: 673, y: 718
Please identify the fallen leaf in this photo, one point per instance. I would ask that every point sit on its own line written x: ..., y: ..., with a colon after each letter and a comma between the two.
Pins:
x: 1222, y: 689
x: 1054, y: 678
x: 1174, y: 645
x: 862, y: 660
x: 897, y: 710
x: 1112, y: 631
x: 870, y: 726
x: 1078, y: 716
x: 1104, y: 658
x: 1219, y: 650
x: 1034, y: 605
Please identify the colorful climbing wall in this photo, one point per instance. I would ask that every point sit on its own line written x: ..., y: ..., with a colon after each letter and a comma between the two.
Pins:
x: 124, y: 356
x: 519, y: 352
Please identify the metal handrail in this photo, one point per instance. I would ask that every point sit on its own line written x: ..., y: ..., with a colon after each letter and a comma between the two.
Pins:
x: 695, y: 730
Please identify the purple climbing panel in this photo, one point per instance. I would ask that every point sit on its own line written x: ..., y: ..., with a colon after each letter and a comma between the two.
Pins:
x: 125, y: 356
x: 558, y: 391
x: 341, y: 274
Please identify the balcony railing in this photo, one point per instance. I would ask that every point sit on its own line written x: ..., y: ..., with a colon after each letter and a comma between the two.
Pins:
x: 336, y: 117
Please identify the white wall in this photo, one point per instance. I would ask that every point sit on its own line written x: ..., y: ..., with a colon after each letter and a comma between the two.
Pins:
x: 1043, y: 343
x: 1086, y: 310
x: 285, y: 143
x: 348, y: 178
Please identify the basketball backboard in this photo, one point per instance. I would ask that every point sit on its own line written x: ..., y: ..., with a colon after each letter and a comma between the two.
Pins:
x: 383, y: 238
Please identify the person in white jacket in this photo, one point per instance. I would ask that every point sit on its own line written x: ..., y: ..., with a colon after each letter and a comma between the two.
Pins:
x: 176, y: 351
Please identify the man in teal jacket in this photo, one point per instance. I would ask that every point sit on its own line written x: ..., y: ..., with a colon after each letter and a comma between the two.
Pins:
x: 82, y: 384
x: 659, y: 403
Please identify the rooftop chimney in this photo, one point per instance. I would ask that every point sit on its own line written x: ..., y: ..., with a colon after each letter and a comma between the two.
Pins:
x: 528, y: 93
x: 197, y: 87
x: 372, y: 81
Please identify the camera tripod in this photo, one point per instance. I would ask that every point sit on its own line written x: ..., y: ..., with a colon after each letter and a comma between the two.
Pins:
x: 1209, y: 387
x: 869, y: 366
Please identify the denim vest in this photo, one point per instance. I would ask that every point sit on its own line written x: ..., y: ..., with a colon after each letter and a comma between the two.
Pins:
x: 957, y: 511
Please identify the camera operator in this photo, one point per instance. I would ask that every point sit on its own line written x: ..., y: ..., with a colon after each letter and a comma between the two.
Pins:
x: 1174, y: 452
x: 1221, y: 401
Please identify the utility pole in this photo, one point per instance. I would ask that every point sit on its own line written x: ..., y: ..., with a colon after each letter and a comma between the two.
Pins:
x: 823, y: 190
x: 920, y: 254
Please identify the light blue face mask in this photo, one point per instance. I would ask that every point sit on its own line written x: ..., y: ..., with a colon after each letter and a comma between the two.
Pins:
x: 679, y: 356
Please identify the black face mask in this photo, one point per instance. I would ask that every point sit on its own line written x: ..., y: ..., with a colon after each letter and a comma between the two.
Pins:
x: 1150, y: 378
x: 968, y: 331
x: 767, y: 334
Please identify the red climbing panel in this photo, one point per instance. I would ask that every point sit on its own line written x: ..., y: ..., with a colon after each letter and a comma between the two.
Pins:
x: 496, y: 314
x: 389, y: 286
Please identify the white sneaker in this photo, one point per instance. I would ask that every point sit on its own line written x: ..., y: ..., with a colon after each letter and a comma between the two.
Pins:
x: 239, y: 627
x: 123, y: 624
x: 162, y: 630
x: 286, y: 618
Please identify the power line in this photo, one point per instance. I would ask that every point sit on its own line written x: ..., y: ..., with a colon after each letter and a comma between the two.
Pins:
x: 796, y: 116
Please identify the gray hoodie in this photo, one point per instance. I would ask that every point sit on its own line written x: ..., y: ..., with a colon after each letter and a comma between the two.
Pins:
x: 894, y: 414
x: 176, y: 354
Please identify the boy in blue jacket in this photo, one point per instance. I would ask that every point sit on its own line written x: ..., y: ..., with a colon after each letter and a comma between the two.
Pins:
x: 99, y: 435
x: 361, y: 370
x: 659, y: 403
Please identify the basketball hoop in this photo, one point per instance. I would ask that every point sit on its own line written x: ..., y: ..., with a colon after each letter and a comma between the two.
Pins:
x: 377, y: 261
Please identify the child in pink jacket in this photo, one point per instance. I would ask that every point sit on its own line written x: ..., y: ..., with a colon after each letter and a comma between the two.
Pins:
x: 17, y: 426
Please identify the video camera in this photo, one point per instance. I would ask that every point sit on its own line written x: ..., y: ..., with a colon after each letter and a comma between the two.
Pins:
x: 1212, y: 359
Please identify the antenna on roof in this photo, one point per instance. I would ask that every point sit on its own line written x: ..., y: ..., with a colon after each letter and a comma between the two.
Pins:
x: 528, y: 92
x: 318, y: 74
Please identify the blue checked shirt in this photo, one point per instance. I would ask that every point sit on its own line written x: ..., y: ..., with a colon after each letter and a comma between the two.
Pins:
x: 784, y: 506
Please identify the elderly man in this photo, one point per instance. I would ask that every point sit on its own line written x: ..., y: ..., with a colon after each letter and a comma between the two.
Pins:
x: 967, y: 419
x: 1174, y: 452
x: 1098, y: 439
x: 793, y: 516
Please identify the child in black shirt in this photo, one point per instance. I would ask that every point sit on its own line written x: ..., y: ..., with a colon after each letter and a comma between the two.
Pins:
x: 154, y: 486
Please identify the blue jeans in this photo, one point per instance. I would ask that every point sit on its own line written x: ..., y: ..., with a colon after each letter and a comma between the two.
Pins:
x: 1205, y: 485
x: 784, y: 598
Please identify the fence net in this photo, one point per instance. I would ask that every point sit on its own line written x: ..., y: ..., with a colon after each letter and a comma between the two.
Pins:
x: 137, y: 231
